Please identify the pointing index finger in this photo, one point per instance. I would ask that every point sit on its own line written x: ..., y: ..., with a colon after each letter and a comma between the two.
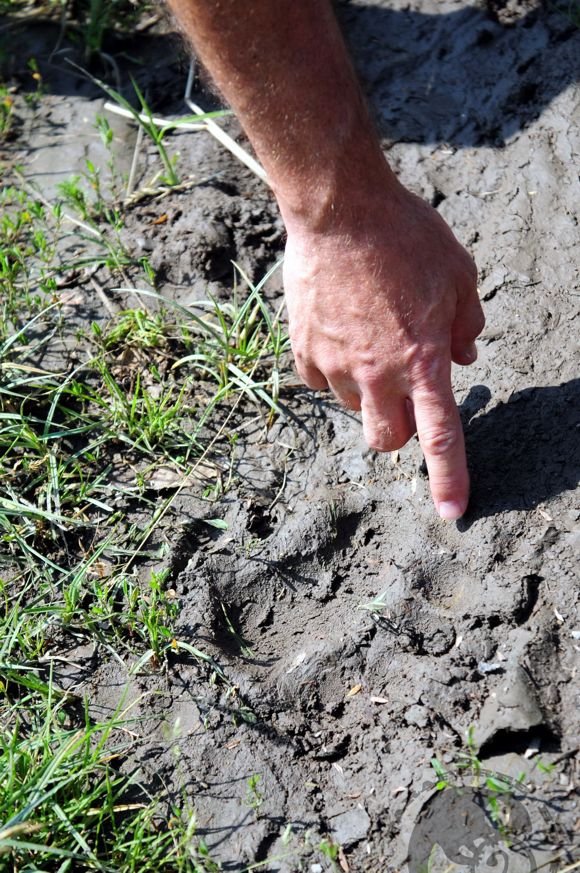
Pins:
x: 441, y: 437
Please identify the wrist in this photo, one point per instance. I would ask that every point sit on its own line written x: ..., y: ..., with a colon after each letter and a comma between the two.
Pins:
x: 340, y: 197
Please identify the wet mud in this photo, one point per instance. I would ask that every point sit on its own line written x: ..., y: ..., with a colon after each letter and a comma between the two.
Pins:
x: 360, y: 635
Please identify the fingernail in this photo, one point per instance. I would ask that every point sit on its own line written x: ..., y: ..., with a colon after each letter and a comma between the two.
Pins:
x: 450, y: 510
x: 471, y: 353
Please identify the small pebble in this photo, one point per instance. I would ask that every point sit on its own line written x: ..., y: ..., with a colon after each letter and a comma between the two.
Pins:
x: 489, y: 667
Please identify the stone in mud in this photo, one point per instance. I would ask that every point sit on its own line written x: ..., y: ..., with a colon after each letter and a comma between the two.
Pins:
x: 350, y: 827
x: 512, y: 708
x: 418, y: 716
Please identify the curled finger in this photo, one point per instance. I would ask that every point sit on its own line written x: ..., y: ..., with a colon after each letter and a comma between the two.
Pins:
x: 312, y: 377
x: 346, y: 393
x: 387, y: 424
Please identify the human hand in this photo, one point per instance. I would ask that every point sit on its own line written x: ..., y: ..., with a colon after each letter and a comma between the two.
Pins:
x: 378, y: 308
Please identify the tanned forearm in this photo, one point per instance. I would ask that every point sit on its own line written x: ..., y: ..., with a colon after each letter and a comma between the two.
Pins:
x: 284, y: 68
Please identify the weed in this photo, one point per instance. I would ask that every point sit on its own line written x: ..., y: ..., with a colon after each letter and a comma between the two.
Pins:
x: 100, y: 223
x: 108, y: 138
x: 469, y: 760
x: 133, y: 328
x: 241, y: 643
x: 543, y: 767
x: 234, y: 339
x: 330, y: 850
x: 254, y: 795
x: 73, y: 195
x: 62, y: 798
x: 33, y: 97
x: 376, y: 605
x: 441, y: 773
x: 144, y: 118
x: 24, y: 235
x: 156, y: 129
x: 157, y: 612
x: 6, y: 112
x: 105, y: 130
x: 98, y: 18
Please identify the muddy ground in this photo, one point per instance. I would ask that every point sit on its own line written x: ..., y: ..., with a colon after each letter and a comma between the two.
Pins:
x: 338, y: 708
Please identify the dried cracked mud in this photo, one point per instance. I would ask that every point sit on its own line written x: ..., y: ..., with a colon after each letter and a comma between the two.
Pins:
x: 338, y: 704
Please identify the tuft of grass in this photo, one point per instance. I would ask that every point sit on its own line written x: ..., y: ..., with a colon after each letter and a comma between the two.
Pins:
x: 156, y: 130
x: 65, y: 801
x: 154, y: 386
x: 101, y: 425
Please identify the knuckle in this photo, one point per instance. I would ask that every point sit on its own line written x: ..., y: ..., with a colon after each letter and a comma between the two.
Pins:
x: 348, y: 402
x: 381, y: 444
x: 312, y: 381
x: 428, y: 368
x: 382, y: 438
x: 306, y: 368
x: 335, y: 374
x: 479, y: 321
x: 440, y: 441
x: 307, y: 374
x: 372, y: 378
x: 299, y: 350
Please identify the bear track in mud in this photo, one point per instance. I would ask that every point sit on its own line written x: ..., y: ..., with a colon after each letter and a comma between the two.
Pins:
x: 338, y: 709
